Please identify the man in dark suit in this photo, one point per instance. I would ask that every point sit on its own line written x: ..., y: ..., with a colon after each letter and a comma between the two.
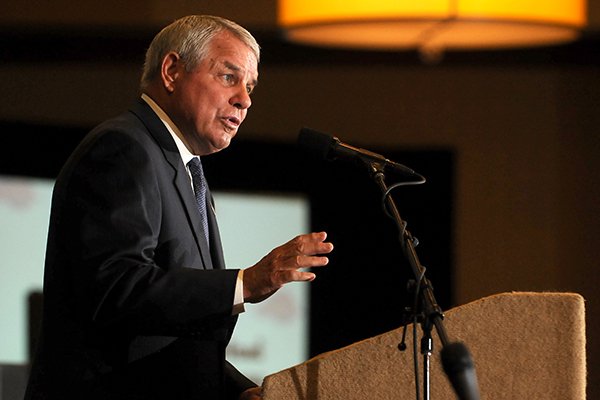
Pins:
x: 137, y: 301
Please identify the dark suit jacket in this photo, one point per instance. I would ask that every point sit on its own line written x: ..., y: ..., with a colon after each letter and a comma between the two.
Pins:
x: 136, y: 305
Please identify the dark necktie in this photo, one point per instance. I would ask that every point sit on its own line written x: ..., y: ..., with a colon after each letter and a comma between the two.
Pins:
x: 200, y: 191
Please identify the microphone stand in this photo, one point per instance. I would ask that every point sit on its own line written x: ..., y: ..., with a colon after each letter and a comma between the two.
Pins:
x: 432, y: 314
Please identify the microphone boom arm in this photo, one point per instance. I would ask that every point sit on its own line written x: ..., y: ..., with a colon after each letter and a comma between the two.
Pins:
x: 431, y: 308
x: 431, y: 311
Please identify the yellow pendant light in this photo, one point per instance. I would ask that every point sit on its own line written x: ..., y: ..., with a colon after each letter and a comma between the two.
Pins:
x: 433, y: 24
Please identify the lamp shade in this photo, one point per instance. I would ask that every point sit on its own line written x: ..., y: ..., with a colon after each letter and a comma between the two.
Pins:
x: 445, y: 24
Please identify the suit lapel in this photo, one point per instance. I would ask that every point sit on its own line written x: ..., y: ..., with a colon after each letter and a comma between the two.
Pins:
x: 181, y: 179
x: 215, y: 237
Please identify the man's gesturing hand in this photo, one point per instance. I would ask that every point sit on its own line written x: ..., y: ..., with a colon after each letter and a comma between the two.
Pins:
x: 283, y: 264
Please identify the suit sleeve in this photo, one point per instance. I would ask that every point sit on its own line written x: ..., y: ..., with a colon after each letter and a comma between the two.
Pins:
x: 235, y: 382
x: 111, y: 221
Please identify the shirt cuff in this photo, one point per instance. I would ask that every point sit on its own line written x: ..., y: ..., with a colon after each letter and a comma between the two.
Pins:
x: 238, y: 299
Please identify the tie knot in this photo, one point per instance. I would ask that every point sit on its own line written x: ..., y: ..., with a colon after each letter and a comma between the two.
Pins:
x: 195, y: 167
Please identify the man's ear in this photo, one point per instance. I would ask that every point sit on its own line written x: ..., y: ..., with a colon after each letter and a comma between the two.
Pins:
x: 169, y: 71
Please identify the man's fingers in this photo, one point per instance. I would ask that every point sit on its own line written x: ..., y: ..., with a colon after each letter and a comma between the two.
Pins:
x: 312, y: 243
x: 306, y: 276
x: 311, y: 261
x: 297, y: 276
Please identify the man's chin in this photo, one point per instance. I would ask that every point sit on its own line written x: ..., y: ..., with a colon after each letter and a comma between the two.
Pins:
x: 222, y: 144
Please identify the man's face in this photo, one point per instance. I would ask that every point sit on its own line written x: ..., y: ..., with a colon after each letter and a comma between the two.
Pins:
x: 209, y: 103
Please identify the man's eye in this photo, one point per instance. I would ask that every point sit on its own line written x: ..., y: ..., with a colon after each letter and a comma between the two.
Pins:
x: 249, y: 89
x: 229, y: 78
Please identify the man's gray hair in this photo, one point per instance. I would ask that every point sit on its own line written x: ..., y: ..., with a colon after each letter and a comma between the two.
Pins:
x: 190, y: 38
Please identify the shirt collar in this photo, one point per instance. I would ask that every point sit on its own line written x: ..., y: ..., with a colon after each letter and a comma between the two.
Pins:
x: 186, y: 155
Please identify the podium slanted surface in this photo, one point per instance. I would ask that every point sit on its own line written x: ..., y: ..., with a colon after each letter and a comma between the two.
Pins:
x: 525, y: 345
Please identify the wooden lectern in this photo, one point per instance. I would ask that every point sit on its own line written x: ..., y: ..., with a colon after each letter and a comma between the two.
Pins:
x: 524, y: 345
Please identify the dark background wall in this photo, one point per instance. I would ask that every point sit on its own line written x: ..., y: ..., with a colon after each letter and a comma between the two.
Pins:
x: 520, y: 129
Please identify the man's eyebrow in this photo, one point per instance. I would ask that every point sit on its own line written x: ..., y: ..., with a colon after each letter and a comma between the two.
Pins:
x: 237, y: 68
x: 232, y: 66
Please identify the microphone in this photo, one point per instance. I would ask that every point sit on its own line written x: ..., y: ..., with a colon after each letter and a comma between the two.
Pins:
x: 330, y: 148
x: 459, y: 368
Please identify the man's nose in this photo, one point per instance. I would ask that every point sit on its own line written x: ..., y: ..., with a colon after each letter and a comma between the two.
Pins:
x: 241, y: 99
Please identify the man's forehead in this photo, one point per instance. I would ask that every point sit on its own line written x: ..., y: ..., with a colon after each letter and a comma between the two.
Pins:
x: 225, y: 42
x: 234, y: 56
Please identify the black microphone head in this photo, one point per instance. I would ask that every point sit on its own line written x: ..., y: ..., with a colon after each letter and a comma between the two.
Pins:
x: 316, y: 143
x: 460, y: 369
x: 456, y: 357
